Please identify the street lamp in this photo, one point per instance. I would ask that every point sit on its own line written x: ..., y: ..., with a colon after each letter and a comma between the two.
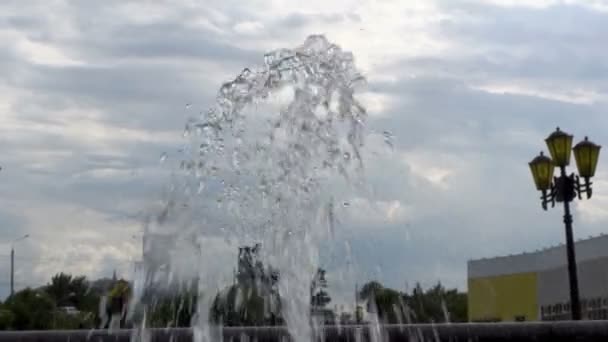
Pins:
x: 566, y: 188
x: 13, y: 261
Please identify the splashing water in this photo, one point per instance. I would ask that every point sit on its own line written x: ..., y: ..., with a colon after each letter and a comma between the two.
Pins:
x: 163, y: 157
x: 263, y: 166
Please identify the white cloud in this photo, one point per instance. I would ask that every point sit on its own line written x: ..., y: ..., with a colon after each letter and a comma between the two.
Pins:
x: 599, y: 5
x: 595, y: 210
x: 524, y: 3
x: 66, y: 238
x: 248, y: 27
x: 438, y: 169
x: 376, y: 104
x: 45, y: 54
x: 375, y: 213
x: 552, y: 92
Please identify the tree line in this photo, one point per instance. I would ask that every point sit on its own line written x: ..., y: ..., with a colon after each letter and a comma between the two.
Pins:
x: 433, y: 305
x: 69, y: 302
x: 66, y: 302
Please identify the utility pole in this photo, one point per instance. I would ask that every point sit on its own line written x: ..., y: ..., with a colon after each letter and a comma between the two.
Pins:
x: 356, y: 295
x: 13, y: 261
x: 12, y: 271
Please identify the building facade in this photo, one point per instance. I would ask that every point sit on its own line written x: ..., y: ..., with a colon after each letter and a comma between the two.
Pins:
x: 534, y: 286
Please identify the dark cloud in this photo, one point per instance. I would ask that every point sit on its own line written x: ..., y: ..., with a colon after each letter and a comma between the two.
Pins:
x: 427, y: 110
x: 168, y: 40
x: 548, y: 43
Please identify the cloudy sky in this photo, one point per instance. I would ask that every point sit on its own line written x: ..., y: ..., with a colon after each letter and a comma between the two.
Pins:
x: 92, y: 93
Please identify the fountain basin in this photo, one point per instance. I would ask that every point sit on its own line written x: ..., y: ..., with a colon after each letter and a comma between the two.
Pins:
x: 533, y: 331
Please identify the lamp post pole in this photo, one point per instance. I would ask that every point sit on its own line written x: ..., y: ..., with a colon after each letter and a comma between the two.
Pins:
x: 575, y: 306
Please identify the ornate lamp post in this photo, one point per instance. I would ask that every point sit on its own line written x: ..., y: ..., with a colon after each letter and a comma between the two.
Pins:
x: 565, y: 188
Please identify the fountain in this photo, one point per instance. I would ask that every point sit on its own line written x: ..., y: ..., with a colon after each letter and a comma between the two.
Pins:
x: 265, y: 165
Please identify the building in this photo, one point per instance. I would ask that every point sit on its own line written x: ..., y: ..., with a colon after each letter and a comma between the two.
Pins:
x: 534, y: 286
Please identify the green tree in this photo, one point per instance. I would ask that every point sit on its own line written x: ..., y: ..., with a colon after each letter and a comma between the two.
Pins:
x: 59, y: 289
x: 369, y: 289
x: 435, y: 304
x: 174, y: 310
x: 254, y: 299
x: 32, y: 310
x: 386, y: 303
x: 6, y: 317
x: 68, y: 290
x: 246, y: 306
x: 438, y: 304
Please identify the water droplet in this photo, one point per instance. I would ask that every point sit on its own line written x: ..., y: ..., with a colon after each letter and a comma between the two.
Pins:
x: 201, y: 186
x: 388, y: 139
x: 346, y: 156
x: 188, y: 105
x: 346, y: 204
x: 163, y: 157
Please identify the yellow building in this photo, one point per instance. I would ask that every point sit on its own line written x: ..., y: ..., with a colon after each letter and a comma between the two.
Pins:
x: 534, y: 286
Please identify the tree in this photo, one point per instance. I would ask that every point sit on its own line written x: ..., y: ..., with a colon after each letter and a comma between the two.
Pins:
x: 67, y: 290
x: 254, y: 299
x: 319, y: 298
x: 32, y: 310
x: 60, y: 289
x: 6, y: 318
x: 368, y: 290
x: 437, y: 304
x: 43, y: 308
x: 80, y: 295
x: 73, y: 291
x: 172, y: 310
x: 386, y: 303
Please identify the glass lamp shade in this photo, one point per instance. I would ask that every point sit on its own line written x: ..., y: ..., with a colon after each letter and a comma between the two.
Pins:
x: 586, y: 154
x: 560, y: 145
x: 542, y: 168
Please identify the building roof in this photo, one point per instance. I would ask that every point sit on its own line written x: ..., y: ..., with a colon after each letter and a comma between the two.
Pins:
x: 546, y: 259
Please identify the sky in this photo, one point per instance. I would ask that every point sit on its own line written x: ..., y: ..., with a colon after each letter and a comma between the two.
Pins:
x: 93, y: 93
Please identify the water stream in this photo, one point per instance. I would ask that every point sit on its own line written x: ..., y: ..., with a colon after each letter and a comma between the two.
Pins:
x: 267, y: 164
